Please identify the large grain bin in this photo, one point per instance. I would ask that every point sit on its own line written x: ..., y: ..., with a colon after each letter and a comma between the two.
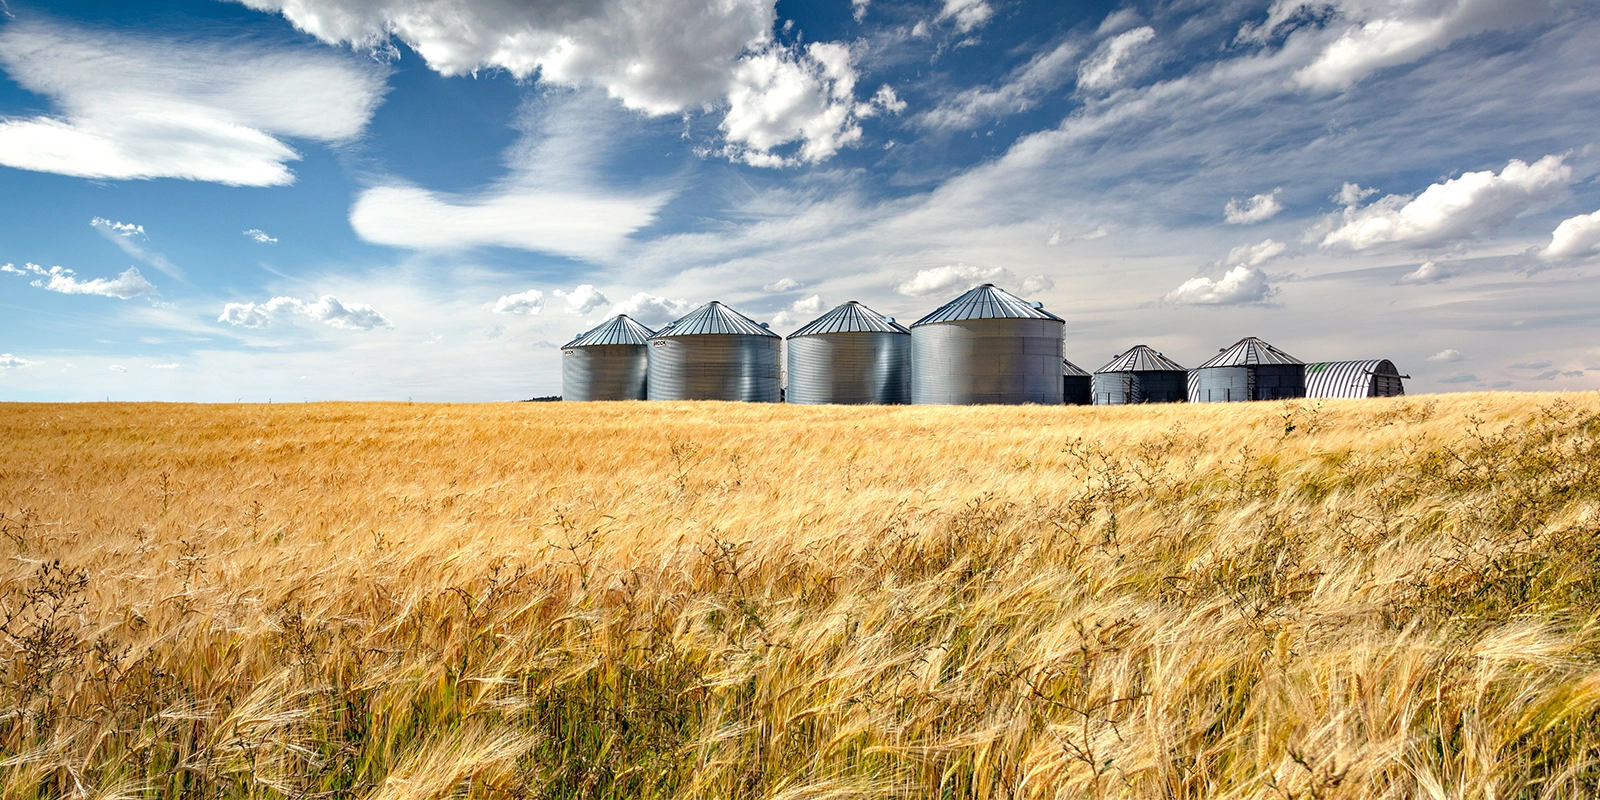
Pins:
x: 607, y: 362
x: 715, y: 353
x: 1140, y: 375
x: 1249, y: 370
x: 851, y: 354
x: 1377, y: 378
x: 987, y: 346
x: 1077, y: 385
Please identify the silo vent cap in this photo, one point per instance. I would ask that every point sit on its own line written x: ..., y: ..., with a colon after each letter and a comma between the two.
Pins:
x: 1037, y: 304
x: 764, y: 325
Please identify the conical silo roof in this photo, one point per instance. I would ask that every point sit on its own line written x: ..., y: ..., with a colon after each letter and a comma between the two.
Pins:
x: 1141, y: 359
x: 620, y: 329
x: 714, y: 317
x: 1069, y: 369
x: 852, y: 317
x: 1249, y: 352
x: 986, y: 302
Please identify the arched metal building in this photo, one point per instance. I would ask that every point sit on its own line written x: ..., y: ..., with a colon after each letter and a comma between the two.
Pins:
x: 715, y: 353
x: 987, y: 346
x: 1140, y: 375
x: 607, y: 362
x: 1377, y: 378
x: 1249, y: 370
x: 1077, y: 385
x: 851, y: 354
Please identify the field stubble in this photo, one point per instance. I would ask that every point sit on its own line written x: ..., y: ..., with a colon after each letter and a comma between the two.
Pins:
x: 1390, y: 598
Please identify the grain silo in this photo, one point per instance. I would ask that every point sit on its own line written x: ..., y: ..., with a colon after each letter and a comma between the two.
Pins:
x: 851, y: 354
x: 1077, y: 385
x: 1140, y: 375
x: 1377, y: 378
x: 1249, y: 370
x: 607, y: 362
x: 987, y: 346
x: 715, y: 353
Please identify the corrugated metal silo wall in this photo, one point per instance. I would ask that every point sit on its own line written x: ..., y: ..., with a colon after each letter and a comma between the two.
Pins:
x: 859, y: 367
x: 1113, y: 388
x: 1280, y: 381
x: 1077, y: 390
x: 715, y: 367
x: 967, y: 362
x: 604, y: 372
x: 1262, y: 382
x: 1145, y: 386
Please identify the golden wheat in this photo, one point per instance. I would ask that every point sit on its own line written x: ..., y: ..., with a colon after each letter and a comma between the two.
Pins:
x: 1341, y: 599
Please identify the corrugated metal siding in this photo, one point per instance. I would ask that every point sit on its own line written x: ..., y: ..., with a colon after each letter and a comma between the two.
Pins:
x: 604, y: 372
x: 620, y: 329
x: 1375, y: 378
x: 1077, y: 390
x: 851, y: 317
x: 715, y: 318
x: 1141, y: 358
x: 995, y: 360
x: 1126, y: 388
x: 985, y: 302
x: 1239, y: 384
x: 1249, y: 351
x: 854, y: 368
x: 714, y: 367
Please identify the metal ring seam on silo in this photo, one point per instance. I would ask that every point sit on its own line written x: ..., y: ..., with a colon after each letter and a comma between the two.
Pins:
x: 1140, y: 375
x: 1250, y: 369
x: 607, y: 362
x: 715, y: 353
x: 987, y: 346
x: 850, y: 355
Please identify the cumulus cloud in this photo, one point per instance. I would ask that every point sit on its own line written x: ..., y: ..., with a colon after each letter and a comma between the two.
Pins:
x: 260, y: 236
x: 131, y: 107
x: 523, y: 303
x: 128, y: 285
x: 1259, y: 208
x: 583, y: 299
x: 1447, y: 356
x: 1103, y: 70
x: 657, y: 57
x: 781, y: 285
x: 1575, y: 237
x: 966, y: 14
x: 1034, y: 284
x: 802, y: 310
x: 1456, y: 210
x: 1240, y: 285
x: 326, y: 309
x: 1022, y: 88
x: 1255, y: 255
x: 1427, y: 272
x: 955, y: 277
x: 1383, y: 35
x: 651, y: 309
x: 8, y: 361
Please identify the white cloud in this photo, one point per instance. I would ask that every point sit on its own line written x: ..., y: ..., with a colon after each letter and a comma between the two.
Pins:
x: 1456, y: 210
x: 800, y: 311
x: 260, y: 236
x: 1240, y: 285
x: 119, y: 228
x: 1575, y: 237
x: 131, y: 107
x: 327, y: 309
x: 781, y: 96
x: 1399, y: 33
x: 1034, y: 284
x: 163, y: 366
x: 128, y: 285
x: 1102, y: 70
x: 1255, y: 255
x: 523, y: 303
x: 967, y: 14
x: 8, y: 361
x: 781, y: 285
x: 858, y: 9
x: 886, y: 99
x: 117, y: 368
x: 1021, y: 89
x: 582, y: 300
x: 1447, y: 356
x: 1427, y: 272
x: 1259, y: 208
x: 956, y: 277
x: 126, y: 236
x: 652, y: 310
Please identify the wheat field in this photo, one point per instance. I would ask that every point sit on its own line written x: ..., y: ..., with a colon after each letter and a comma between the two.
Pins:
x: 1341, y: 599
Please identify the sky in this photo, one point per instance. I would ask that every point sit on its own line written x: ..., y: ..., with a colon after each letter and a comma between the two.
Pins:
x: 297, y: 200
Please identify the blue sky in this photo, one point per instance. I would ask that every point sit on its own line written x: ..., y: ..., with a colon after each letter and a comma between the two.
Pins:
x: 382, y: 199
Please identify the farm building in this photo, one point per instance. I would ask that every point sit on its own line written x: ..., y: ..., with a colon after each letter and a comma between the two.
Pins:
x: 851, y: 354
x: 987, y: 346
x: 714, y: 353
x: 1249, y: 370
x: 1377, y: 378
x: 1077, y: 385
x: 607, y: 362
x: 1140, y: 375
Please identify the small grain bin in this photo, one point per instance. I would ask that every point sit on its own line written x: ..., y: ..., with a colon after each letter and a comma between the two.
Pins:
x: 851, y: 354
x: 715, y: 353
x: 1377, y: 378
x: 607, y: 362
x: 987, y: 346
x: 1249, y: 370
x: 1140, y: 375
x: 1077, y: 385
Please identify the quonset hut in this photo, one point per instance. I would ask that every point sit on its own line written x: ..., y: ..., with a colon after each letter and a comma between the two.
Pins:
x: 1249, y: 370
x: 1377, y: 378
x: 851, y: 354
x: 715, y: 353
x: 1077, y: 385
x: 607, y: 362
x: 987, y: 346
x: 1140, y: 375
